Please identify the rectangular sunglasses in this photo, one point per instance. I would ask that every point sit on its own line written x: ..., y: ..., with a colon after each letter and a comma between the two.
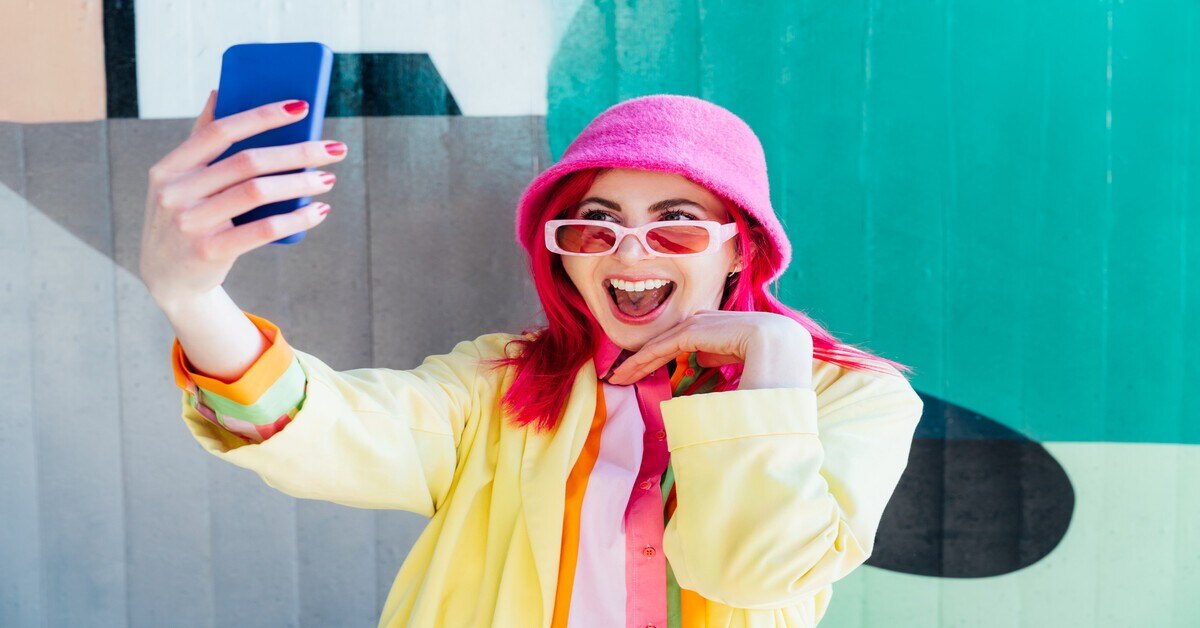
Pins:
x: 668, y: 238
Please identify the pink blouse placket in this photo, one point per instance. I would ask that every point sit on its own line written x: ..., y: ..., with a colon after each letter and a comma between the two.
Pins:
x: 645, y: 564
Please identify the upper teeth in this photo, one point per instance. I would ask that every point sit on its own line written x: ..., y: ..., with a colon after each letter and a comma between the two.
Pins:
x: 638, y: 286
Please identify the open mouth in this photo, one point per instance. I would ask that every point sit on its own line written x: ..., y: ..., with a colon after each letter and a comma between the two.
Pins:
x: 638, y: 305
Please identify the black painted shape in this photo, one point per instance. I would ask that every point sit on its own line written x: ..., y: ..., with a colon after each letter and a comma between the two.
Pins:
x: 976, y: 500
x: 120, y: 59
x: 388, y: 84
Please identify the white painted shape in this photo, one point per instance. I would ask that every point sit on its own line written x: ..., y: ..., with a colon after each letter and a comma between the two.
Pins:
x: 494, y: 56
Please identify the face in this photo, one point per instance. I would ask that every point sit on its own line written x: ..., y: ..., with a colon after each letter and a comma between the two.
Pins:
x: 625, y: 197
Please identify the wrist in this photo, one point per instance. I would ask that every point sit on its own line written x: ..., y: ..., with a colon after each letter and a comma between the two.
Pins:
x: 177, y: 306
x: 777, y: 364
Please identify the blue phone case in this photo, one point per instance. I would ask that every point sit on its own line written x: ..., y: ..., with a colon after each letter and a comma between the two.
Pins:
x: 254, y: 74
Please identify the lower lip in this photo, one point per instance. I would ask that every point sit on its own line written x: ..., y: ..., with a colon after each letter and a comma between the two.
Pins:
x: 640, y: 320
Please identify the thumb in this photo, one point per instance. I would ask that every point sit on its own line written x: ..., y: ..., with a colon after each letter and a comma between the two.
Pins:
x: 206, y: 116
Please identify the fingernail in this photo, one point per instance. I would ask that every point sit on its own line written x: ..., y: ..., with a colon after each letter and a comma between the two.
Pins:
x: 335, y: 148
x: 324, y: 209
x: 294, y: 107
x: 328, y: 178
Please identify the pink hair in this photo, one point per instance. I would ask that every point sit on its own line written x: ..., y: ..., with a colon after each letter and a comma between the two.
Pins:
x: 550, y: 355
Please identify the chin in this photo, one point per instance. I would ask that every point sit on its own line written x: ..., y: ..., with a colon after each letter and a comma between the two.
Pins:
x: 633, y: 337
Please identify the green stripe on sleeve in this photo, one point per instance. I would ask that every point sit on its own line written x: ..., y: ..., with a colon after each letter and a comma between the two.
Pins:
x: 281, y: 398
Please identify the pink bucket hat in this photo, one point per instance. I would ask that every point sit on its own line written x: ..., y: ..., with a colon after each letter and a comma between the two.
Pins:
x: 671, y: 133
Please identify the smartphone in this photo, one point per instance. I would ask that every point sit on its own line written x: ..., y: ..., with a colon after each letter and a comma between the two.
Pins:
x: 254, y: 74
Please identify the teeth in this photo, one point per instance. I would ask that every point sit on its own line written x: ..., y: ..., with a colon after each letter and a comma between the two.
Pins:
x: 638, y: 286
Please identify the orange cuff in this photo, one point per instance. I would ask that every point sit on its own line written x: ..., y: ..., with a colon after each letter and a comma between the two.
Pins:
x: 268, y: 368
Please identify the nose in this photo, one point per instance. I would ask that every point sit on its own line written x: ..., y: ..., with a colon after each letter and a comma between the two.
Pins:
x: 631, y: 248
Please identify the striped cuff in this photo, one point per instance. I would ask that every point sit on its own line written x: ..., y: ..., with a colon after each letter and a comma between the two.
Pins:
x: 260, y: 402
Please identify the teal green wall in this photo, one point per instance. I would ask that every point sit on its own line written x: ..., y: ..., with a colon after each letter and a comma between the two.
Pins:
x: 956, y: 194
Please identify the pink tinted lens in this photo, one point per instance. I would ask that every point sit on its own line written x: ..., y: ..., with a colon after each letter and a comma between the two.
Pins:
x: 585, y: 238
x: 678, y: 240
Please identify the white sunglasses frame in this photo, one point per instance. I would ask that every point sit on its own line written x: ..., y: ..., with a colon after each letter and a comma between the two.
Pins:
x: 718, y: 234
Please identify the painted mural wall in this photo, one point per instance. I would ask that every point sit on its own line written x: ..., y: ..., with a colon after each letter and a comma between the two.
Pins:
x: 1003, y: 195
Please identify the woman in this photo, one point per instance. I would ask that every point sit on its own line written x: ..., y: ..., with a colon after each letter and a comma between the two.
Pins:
x: 674, y: 448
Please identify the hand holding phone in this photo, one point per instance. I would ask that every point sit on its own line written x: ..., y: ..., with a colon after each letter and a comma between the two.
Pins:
x: 189, y: 242
x: 254, y: 74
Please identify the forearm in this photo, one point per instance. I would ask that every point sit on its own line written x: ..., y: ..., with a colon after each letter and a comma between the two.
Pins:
x: 215, y: 334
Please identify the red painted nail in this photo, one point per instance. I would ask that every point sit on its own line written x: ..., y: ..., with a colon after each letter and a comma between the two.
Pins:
x: 295, y: 106
x: 328, y: 178
x: 335, y: 148
x: 324, y: 210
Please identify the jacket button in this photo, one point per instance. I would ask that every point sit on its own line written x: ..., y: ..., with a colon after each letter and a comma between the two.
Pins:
x: 690, y: 371
x: 659, y: 435
x: 646, y: 484
x: 648, y: 552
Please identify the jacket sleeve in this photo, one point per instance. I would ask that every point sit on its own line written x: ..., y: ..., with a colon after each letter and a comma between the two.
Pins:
x: 780, y: 493
x: 368, y: 438
x: 256, y: 405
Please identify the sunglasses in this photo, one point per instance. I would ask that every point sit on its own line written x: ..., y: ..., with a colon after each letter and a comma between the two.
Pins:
x: 665, y: 238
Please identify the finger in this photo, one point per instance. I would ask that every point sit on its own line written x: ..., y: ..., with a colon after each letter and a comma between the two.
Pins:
x: 237, y: 241
x: 647, y: 363
x: 206, y: 114
x: 239, y: 199
x: 215, y: 137
x: 254, y: 162
x: 653, y: 354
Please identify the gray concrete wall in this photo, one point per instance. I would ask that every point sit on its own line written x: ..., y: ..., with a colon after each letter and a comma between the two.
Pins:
x: 112, y: 514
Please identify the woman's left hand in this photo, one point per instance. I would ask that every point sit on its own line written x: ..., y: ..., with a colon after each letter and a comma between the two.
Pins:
x: 776, y: 350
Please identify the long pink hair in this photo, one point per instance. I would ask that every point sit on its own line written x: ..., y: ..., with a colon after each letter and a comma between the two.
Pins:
x: 550, y: 355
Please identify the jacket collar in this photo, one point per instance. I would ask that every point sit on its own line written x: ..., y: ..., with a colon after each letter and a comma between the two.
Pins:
x: 545, y: 464
x: 609, y: 356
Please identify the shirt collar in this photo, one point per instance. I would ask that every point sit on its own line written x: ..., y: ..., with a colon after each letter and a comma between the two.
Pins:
x: 609, y: 356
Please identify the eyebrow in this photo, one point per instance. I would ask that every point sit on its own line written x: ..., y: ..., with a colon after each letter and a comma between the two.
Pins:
x: 655, y: 208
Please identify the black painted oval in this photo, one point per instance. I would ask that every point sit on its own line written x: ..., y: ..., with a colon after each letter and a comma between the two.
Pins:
x: 976, y: 500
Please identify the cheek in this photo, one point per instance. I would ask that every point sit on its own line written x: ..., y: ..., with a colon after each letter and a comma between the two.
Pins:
x: 703, y: 279
x: 580, y: 270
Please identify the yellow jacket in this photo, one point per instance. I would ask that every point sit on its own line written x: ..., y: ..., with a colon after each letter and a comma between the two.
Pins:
x: 780, y: 491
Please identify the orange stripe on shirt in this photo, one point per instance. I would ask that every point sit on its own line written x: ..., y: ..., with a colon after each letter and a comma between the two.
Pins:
x: 691, y: 609
x: 576, y: 487
x: 681, y: 365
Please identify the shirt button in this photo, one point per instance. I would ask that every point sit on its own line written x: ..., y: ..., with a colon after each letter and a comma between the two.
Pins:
x: 648, y: 552
x: 646, y: 484
x: 660, y: 435
x: 690, y: 371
